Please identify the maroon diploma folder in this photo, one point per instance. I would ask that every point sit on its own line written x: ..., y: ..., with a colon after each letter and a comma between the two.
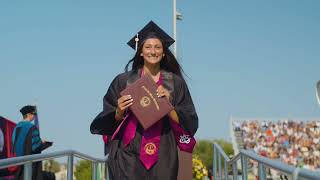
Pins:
x: 147, y: 106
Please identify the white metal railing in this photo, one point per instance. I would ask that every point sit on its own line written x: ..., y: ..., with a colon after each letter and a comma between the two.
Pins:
x: 263, y: 162
x: 29, y: 159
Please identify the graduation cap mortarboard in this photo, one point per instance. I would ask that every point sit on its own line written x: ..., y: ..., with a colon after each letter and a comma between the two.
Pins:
x: 148, y: 31
x: 27, y: 109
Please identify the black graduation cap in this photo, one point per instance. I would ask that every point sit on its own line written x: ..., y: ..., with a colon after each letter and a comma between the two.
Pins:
x: 27, y: 109
x: 150, y: 30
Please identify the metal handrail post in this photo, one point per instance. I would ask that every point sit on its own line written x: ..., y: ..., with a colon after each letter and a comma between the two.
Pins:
x: 219, y: 165
x: 225, y: 170
x: 262, y: 171
x: 94, y: 170
x: 214, y: 167
x: 107, y: 171
x: 295, y: 174
x: 70, y: 167
x: 27, y: 173
x: 244, y: 168
x: 235, y: 170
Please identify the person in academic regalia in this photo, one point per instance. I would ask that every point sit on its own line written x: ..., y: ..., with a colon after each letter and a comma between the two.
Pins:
x: 136, y: 153
x: 26, y: 141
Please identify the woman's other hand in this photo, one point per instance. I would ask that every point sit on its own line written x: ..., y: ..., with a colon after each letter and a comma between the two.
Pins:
x: 123, y: 103
x: 161, y: 92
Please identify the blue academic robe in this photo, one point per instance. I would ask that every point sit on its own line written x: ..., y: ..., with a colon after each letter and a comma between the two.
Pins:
x: 26, y: 141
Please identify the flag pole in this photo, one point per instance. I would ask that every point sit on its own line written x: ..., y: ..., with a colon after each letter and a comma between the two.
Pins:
x: 36, y: 120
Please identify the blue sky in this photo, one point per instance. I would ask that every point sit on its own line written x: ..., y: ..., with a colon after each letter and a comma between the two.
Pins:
x: 245, y: 59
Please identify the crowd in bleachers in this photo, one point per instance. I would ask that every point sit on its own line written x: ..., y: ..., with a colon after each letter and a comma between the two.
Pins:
x: 295, y: 143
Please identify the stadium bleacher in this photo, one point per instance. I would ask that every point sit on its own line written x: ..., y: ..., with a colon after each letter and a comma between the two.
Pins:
x: 294, y: 142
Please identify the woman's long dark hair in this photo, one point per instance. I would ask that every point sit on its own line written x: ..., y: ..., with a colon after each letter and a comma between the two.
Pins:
x: 168, y: 62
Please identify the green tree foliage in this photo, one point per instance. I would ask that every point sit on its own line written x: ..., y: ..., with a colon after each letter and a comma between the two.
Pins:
x: 204, y: 150
x: 52, y: 166
x: 226, y: 146
x: 83, y: 170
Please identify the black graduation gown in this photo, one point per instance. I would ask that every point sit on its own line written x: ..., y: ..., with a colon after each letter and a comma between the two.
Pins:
x: 124, y: 162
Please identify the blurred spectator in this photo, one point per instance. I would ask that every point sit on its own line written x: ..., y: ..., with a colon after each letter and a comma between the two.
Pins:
x: 236, y: 126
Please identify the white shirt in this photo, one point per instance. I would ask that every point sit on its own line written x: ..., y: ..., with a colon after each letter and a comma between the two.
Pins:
x: 1, y: 140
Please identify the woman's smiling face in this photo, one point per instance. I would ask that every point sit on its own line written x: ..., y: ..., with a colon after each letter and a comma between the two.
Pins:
x: 152, y: 51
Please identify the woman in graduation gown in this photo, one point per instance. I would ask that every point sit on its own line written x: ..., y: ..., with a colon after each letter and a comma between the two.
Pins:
x: 136, y: 153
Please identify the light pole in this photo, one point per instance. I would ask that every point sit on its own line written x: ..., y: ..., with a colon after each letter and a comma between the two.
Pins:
x: 176, y: 16
x: 318, y: 92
